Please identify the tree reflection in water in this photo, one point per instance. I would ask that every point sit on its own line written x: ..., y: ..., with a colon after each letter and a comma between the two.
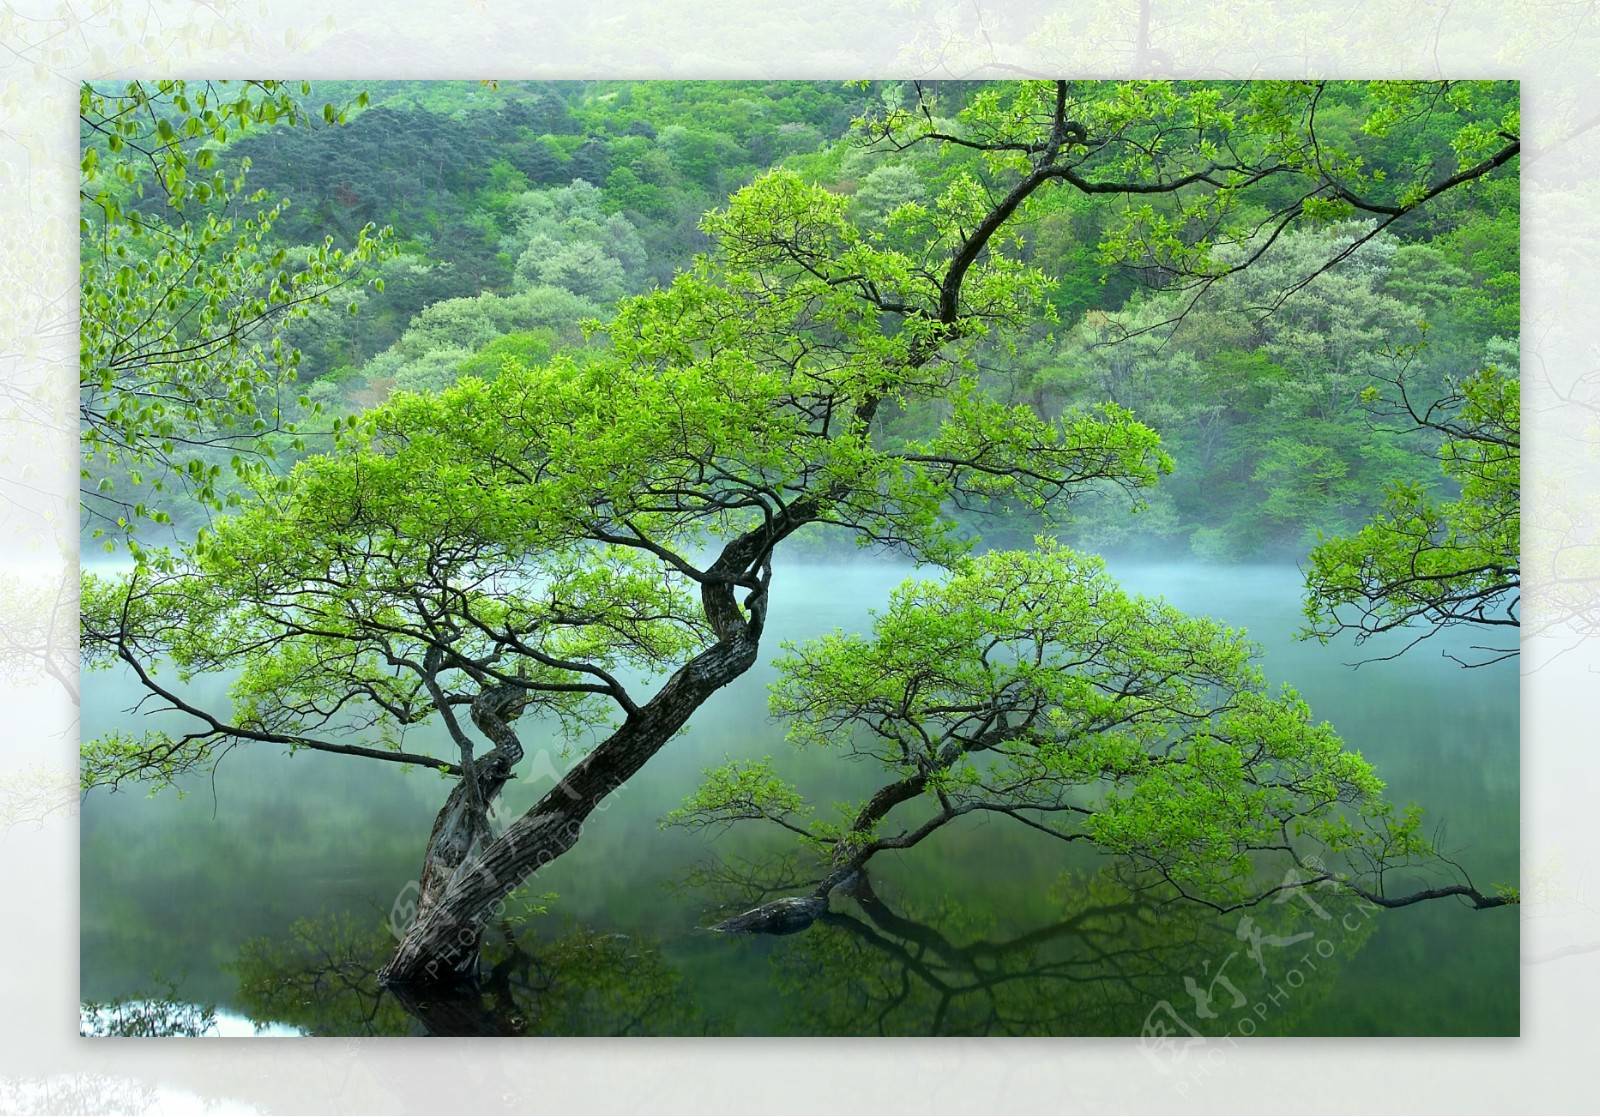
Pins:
x: 144, y: 1017
x: 322, y: 979
x: 82, y: 1093
x: 1120, y: 960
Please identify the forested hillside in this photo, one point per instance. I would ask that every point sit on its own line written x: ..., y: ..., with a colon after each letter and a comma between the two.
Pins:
x: 521, y: 211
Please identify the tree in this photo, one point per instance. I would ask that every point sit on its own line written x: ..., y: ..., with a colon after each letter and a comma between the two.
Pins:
x: 520, y: 545
x: 565, y: 239
x: 513, y: 545
x: 1029, y: 687
x: 182, y: 366
x: 1431, y: 562
x: 476, y: 335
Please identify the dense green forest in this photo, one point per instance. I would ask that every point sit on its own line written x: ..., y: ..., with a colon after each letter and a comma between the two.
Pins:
x: 521, y: 212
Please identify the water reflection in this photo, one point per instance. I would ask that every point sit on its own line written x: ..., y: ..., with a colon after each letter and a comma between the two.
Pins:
x: 148, y: 1017
x: 1116, y: 956
x: 1116, y: 960
x: 321, y: 979
x: 175, y: 885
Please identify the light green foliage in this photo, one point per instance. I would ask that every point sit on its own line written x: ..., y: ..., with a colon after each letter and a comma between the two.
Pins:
x: 476, y: 337
x: 738, y: 790
x: 1029, y: 685
x: 157, y: 124
x: 430, y: 372
x: 453, y: 324
x: 521, y: 347
x: 799, y: 296
x: 885, y: 189
x: 1437, y: 562
x: 357, y: 608
x: 584, y: 268
x: 995, y: 447
x: 532, y: 531
x: 182, y: 366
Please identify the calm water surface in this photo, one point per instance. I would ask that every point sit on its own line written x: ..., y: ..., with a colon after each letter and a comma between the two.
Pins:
x: 264, y: 892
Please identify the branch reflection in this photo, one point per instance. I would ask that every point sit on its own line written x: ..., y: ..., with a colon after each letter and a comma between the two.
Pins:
x: 1117, y: 954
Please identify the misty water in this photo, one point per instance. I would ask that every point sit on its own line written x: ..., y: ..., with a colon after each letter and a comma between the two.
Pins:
x: 264, y: 891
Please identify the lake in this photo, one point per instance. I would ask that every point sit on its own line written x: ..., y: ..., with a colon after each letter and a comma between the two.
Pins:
x: 264, y: 892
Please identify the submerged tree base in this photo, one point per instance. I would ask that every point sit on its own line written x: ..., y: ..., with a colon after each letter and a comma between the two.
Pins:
x: 779, y: 917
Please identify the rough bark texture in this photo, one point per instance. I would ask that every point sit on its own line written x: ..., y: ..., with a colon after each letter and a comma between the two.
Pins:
x: 463, y: 820
x: 465, y: 888
x: 780, y: 917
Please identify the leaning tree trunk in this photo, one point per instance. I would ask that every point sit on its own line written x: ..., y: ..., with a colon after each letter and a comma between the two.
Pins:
x: 467, y: 882
x: 463, y: 820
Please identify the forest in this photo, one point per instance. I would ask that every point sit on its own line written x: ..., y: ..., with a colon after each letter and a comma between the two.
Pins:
x: 533, y: 207
x: 465, y: 426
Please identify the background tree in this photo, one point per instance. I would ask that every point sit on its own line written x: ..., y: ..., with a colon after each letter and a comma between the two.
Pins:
x: 1263, y: 398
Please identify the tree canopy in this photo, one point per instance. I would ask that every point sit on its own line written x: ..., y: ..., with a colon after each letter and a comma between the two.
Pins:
x: 1029, y: 686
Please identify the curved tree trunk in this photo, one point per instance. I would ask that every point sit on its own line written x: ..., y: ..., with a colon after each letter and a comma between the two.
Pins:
x: 456, y: 830
x: 462, y: 890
